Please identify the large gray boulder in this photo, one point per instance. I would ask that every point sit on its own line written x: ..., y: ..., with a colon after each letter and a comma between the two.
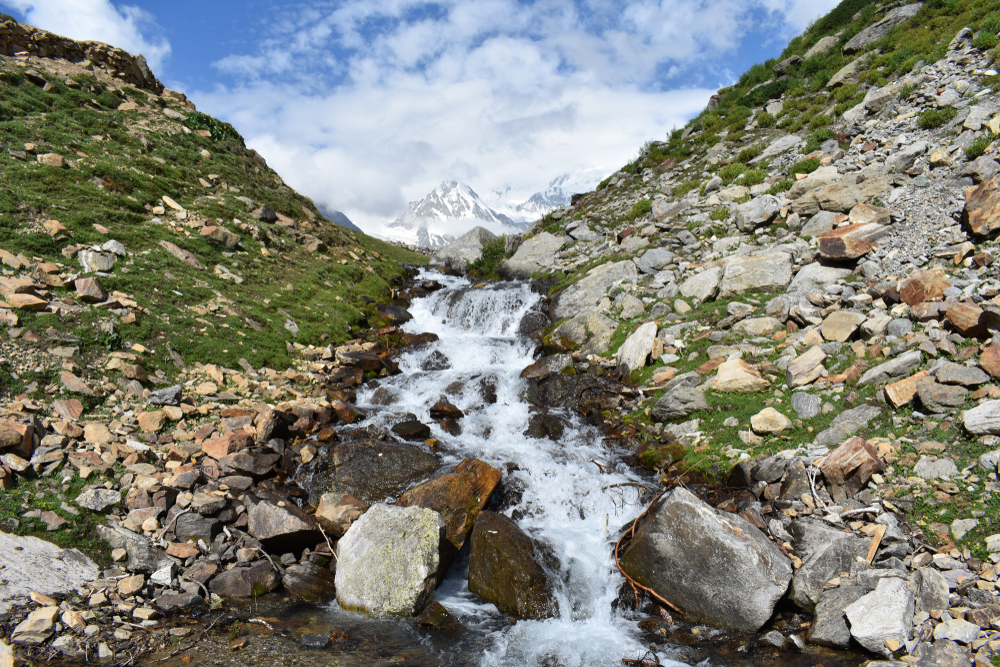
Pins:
x: 654, y: 260
x: 825, y: 553
x: 702, y: 286
x: 757, y: 212
x: 885, y: 613
x: 588, y: 292
x: 819, y: 224
x: 388, y: 561
x: 983, y: 419
x: 29, y: 564
x: 777, y: 147
x: 815, y: 277
x: 905, y: 157
x: 717, y: 567
x: 535, y: 254
x: 752, y: 273
x: 877, y: 31
x: 679, y: 403
x: 142, y: 556
x: 636, y: 349
x: 590, y: 329
x: 464, y: 250
x: 846, y: 424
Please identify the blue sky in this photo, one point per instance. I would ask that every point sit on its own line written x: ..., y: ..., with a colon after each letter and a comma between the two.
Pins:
x: 366, y: 104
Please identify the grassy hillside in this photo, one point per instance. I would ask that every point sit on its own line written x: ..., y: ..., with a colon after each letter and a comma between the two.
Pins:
x: 297, y: 279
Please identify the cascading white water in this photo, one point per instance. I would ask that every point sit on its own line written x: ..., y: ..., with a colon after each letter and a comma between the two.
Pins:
x: 566, y: 501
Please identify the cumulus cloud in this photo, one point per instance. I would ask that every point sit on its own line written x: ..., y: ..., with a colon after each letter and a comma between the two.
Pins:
x: 97, y: 20
x: 367, y: 104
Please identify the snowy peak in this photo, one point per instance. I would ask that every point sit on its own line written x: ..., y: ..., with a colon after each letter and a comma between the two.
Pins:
x: 449, y: 201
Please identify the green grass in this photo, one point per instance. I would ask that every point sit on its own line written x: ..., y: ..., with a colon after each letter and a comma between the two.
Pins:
x: 804, y: 167
x: 750, y: 152
x: 766, y: 120
x: 985, y: 41
x: 490, y: 260
x: 720, y: 213
x: 639, y: 209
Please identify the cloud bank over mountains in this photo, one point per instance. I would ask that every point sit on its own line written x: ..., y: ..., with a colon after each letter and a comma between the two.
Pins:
x: 366, y: 105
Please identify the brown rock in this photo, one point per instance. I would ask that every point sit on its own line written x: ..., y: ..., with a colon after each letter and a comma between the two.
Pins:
x: 866, y: 213
x: 982, y: 207
x: 182, y: 550
x: 90, y: 290
x: 181, y: 254
x: 310, y: 582
x: 924, y: 286
x: 221, y: 235
x: 851, y: 241
x: 51, y: 160
x: 849, y: 467
x: 345, y: 412
x: 67, y: 408
x: 989, y: 360
x: 337, y: 511
x: 274, y: 521
x: 26, y: 302
x: 75, y: 384
x: 967, y: 319
x: 54, y: 227
x: 445, y: 410
x: 927, y: 311
x: 151, y: 422
x: 902, y: 392
x: 230, y: 443
x: 130, y: 586
x: 458, y: 498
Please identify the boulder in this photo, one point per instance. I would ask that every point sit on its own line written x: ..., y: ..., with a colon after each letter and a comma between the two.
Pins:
x: 702, y: 286
x: 757, y: 326
x: 938, y: 398
x: 28, y: 564
x: 815, y: 277
x: 982, y: 207
x: 459, y: 497
x: 777, y: 147
x: 829, y: 626
x: 592, y: 288
x: 548, y: 365
x: 932, y: 590
x: 946, y: 653
x: 924, y: 286
x: 821, y: 177
x: 337, y: 511
x: 245, y: 582
x: 770, y: 422
x: 851, y: 241
x: 827, y: 43
x: 884, y: 614
x: 193, y: 527
x: 388, y: 561
x: 929, y: 468
x: 142, y: 556
x: 893, y: 369
x: 280, y: 523
x: 37, y: 627
x: 840, y: 325
x: 220, y: 235
x: 746, y: 273
x: 756, y: 213
x: 825, y: 553
x: 635, y: 351
x: 533, y: 255
x: 679, y: 402
x: 876, y: 31
x: 394, y: 314
x: 905, y: 157
x: 463, y: 251
x: 737, y: 376
x: 591, y: 330
x: 654, y: 260
x: 805, y: 368
x: 806, y: 406
x: 90, y: 290
x: 983, y: 419
x: 983, y: 168
x: 504, y: 569
x: 98, y: 500
x: 717, y: 567
x: 371, y: 470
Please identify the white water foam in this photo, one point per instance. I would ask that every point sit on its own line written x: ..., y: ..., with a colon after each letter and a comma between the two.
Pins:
x: 566, y: 501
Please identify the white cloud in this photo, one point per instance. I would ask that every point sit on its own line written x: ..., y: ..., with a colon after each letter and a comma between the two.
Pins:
x: 97, y: 20
x: 367, y: 104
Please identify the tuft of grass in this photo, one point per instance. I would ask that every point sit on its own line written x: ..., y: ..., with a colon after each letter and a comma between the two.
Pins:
x: 979, y: 147
x: 750, y: 153
x: 684, y: 188
x: 719, y: 214
x: 985, y: 40
x: 494, y: 254
x: 784, y: 185
x: 754, y: 177
x: 804, y: 167
x: 766, y: 120
x: 731, y: 172
x: 639, y: 209
x: 932, y: 118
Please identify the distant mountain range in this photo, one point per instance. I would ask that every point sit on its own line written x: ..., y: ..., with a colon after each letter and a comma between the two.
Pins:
x: 453, y: 208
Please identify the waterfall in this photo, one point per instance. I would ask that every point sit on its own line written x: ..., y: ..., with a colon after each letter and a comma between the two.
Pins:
x: 566, y: 503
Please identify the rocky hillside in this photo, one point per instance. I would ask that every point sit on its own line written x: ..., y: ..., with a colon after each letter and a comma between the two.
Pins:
x: 801, y: 286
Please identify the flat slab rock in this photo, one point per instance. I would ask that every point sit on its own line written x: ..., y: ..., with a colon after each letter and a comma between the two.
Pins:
x: 30, y: 564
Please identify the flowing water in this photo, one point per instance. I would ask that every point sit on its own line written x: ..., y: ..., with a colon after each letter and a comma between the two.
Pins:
x: 565, y: 503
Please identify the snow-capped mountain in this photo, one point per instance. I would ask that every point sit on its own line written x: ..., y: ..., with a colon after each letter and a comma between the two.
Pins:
x: 450, y: 210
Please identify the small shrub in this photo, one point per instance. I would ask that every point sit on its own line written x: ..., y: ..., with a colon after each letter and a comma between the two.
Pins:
x: 731, y: 172
x: 819, y: 121
x: 932, y: 118
x: 906, y: 92
x: 804, y: 167
x: 749, y: 153
x: 817, y: 138
x: 844, y: 93
x: 978, y: 147
x: 493, y: 255
x: 640, y: 208
x: 721, y: 213
x: 603, y: 184
x: 685, y: 188
x: 784, y: 185
x: 985, y: 40
x: 765, y: 120
x: 754, y: 177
